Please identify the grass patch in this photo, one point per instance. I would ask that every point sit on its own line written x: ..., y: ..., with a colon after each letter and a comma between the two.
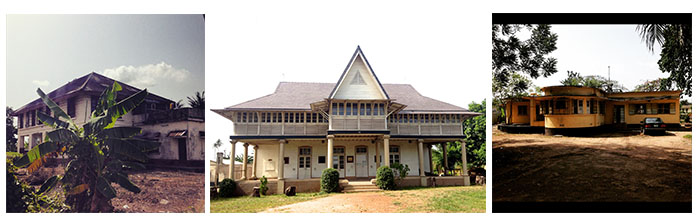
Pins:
x: 458, y: 199
x: 689, y: 136
x: 248, y: 204
x: 471, y: 199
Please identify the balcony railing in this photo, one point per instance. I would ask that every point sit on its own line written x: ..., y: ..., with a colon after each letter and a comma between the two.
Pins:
x: 160, y: 116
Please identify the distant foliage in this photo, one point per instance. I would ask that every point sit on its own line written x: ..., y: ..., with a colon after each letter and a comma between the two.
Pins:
x: 475, y: 131
x: 10, y: 131
x: 330, y: 180
x: 385, y: 178
x: 227, y: 188
x: 197, y: 101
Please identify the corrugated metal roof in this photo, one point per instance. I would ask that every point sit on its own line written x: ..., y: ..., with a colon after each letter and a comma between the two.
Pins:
x: 299, y: 96
x: 92, y: 83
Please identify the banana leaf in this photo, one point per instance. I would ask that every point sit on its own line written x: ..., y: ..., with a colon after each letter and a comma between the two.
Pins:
x: 106, y: 99
x: 36, y: 153
x: 124, y: 182
x: 48, y: 184
x: 62, y: 136
x: 50, y: 121
x: 105, y: 188
x: 54, y: 107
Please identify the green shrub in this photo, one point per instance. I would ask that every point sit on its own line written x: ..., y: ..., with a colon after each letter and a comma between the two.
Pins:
x: 385, y: 178
x: 227, y: 187
x: 400, y: 172
x: 263, y: 186
x: 329, y: 180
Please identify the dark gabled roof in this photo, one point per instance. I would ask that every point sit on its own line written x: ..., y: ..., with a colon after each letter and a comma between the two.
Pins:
x: 299, y: 96
x: 364, y: 59
x: 93, y: 84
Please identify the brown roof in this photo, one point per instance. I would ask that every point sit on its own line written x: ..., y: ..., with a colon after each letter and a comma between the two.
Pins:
x: 93, y: 84
x: 299, y: 96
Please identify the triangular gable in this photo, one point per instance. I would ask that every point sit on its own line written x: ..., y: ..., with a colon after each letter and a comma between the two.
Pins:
x: 358, y: 81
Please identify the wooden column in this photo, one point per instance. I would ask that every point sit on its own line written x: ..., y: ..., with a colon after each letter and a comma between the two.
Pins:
x: 255, y: 161
x: 232, y: 165
x: 280, y: 161
x: 386, y: 150
x: 377, y: 157
x: 245, y: 161
x: 329, y: 157
x: 465, y: 171
x: 444, y: 157
x: 420, y: 158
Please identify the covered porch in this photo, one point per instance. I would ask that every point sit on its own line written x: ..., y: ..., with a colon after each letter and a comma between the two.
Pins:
x: 301, y: 159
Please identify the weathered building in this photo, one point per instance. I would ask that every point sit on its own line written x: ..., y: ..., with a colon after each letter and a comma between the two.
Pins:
x: 180, y: 131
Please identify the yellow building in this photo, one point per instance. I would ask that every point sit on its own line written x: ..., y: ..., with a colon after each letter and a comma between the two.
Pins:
x: 565, y: 109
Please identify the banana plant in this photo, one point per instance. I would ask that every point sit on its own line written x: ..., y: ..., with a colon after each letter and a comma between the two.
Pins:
x: 99, y: 153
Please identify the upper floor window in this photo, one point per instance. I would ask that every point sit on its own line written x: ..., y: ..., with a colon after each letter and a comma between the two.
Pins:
x: 334, y: 109
x: 341, y: 109
x: 348, y: 110
x: 362, y: 109
x: 354, y: 109
x: 71, y: 107
x: 381, y: 109
x: 374, y: 109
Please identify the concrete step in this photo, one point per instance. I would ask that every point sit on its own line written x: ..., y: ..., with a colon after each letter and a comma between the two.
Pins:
x: 359, y: 186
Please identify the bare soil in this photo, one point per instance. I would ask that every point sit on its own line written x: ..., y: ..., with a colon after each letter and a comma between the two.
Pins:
x: 370, y: 202
x: 609, y: 167
x: 162, y: 190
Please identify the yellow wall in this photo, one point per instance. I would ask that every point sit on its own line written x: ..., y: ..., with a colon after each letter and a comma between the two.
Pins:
x: 519, y: 119
x: 573, y: 120
x: 674, y: 117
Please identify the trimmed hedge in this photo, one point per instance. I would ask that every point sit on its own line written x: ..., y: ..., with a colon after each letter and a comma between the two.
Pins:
x: 329, y: 180
x: 385, y: 178
x: 227, y: 187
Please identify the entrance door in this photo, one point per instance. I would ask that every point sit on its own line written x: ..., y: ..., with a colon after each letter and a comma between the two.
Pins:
x: 304, y: 171
x: 619, y: 114
x: 361, y: 164
x: 182, y: 148
x: 339, y: 160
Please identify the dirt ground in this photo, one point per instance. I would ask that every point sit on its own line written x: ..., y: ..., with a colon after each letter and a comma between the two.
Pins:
x: 607, y: 167
x: 162, y: 190
x: 371, y: 202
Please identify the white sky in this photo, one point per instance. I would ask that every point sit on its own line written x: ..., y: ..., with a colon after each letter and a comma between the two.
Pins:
x: 424, y: 46
x: 590, y: 49
x: 164, y: 53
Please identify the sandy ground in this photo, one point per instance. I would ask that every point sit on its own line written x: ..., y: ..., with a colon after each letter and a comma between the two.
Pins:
x: 371, y: 202
x: 606, y: 167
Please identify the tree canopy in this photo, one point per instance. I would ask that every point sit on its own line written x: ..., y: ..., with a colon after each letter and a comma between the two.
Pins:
x: 676, y: 53
x: 593, y: 81
x: 511, y: 55
x: 10, y: 131
x: 659, y: 84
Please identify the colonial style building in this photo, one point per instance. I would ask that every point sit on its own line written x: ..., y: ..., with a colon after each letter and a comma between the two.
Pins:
x: 564, y: 109
x: 354, y: 125
x: 180, y: 131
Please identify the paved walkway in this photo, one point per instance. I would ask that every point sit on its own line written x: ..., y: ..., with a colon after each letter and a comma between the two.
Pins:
x: 373, y: 202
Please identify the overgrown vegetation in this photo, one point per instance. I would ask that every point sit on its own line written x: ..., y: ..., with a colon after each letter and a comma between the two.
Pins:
x: 400, y: 172
x: 263, y: 186
x: 10, y: 131
x: 98, y: 152
x: 330, y: 180
x: 227, y: 188
x: 385, y: 178
x: 21, y: 198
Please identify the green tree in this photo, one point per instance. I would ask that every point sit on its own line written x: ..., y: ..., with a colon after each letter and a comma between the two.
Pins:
x: 178, y: 105
x: 99, y: 153
x: 217, y: 144
x: 573, y: 79
x: 239, y: 158
x: 676, y: 52
x: 475, y: 131
x: 511, y: 55
x: 516, y: 87
x: 11, y: 131
x: 602, y: 83
x: 659, y: 84
x: 197, y: 101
